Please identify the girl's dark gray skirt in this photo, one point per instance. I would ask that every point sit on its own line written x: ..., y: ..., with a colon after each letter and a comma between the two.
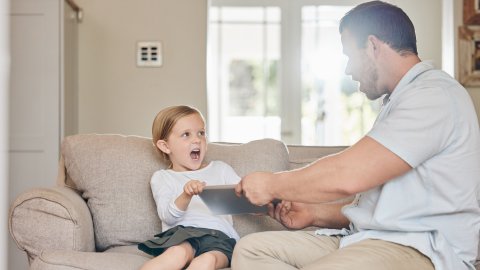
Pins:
x: 202, y: 240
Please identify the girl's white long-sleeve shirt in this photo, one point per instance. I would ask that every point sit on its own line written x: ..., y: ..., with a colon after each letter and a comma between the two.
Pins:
x: 167, y: 185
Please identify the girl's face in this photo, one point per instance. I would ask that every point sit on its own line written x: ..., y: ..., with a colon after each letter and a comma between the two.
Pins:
x: 187, y: 144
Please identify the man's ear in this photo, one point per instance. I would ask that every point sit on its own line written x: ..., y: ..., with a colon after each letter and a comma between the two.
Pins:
x: 373, y: 45
x: 163, y: 146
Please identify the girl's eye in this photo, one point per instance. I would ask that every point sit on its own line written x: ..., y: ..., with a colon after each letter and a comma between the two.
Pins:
x: 186, y: 134
x: 201, y: 133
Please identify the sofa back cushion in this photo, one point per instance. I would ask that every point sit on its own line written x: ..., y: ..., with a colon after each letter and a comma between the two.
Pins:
x: 112, y: 173
x: 261, y: 155
x: 301, y: 156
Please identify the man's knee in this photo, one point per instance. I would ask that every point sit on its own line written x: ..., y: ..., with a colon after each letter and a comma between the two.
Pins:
x: 251, y: 248
x: 248, y: 243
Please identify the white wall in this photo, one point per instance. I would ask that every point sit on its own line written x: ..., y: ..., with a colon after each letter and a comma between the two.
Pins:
x: 4, y: 73
x: 117, y: 97
x: 426, y: 16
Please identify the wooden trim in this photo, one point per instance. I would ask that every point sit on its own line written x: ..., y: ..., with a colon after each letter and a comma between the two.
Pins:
x: 471, y: 12
x: 78, y: 10
x: 469, y: 55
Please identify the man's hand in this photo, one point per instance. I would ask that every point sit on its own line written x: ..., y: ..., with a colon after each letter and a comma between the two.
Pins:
x: 256, y: 187
x: 293, y: 215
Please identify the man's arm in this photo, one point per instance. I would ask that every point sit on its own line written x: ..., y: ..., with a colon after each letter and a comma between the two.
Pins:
x: 365, y: 165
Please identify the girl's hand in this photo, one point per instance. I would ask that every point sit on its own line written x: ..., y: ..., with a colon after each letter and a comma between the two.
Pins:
x: 194, y: 187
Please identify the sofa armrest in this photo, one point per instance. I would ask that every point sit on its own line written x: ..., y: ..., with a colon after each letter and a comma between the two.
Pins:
x: 51, y: 218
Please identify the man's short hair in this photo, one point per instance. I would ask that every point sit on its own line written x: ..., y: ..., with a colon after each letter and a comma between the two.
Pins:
x: 385, y: 21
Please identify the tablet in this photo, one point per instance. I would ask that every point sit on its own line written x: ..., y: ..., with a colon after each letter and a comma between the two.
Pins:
x: 222, y: 200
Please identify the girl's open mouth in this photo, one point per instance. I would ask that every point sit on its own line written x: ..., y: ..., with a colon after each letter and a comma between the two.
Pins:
x: 195, y: 154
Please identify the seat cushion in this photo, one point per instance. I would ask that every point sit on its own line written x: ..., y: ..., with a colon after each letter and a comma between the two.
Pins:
x: 112, y: 173
x: 75, y: 260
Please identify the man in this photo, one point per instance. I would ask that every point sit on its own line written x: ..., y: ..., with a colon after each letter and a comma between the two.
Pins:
x: 416, y: 173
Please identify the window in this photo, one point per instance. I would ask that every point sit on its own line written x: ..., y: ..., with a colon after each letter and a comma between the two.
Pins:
x: 276, y: 70
x: 244, y: 95
x: 333, y: 111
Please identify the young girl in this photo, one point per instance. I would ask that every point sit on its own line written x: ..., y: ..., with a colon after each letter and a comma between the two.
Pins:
x: 191, y: 235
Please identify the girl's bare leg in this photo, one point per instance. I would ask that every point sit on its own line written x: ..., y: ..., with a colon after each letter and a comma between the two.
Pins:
x: 175, y: 257
x: 208, y: 261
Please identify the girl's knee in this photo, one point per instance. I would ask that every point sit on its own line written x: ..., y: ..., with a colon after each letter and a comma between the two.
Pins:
x: 175, y: 257
x: 208, y: 257
x: 210, y: 260
x: 183, y: 252
x: 205, y: 259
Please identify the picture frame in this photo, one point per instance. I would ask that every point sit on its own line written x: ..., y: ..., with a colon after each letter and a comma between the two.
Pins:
x: 471, y: 12
x: 469, y: 55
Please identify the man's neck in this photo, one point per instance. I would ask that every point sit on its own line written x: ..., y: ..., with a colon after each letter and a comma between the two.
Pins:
x: 397, y: 66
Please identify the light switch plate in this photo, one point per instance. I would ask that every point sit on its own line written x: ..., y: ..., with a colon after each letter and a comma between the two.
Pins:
x: 149, y: 54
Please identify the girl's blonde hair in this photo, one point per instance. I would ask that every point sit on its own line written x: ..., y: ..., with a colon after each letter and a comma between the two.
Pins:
x: 166, y: 120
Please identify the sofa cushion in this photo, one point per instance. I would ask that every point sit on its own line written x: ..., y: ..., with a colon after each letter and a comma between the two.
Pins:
x: 75, y: 260
x: 261, y: 155
x: 112, y: 173
x: 301, y: 155
x: 51, y: 218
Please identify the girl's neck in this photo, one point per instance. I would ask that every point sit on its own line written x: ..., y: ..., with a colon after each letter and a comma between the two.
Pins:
x: 203, y: 165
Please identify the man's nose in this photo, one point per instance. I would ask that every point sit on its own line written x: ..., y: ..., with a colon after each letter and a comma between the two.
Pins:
x: 348, y: 70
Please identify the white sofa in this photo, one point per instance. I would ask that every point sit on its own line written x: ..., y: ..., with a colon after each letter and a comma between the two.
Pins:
x: 102, y: 205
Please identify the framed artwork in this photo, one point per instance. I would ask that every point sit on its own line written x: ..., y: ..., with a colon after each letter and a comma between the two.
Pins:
x: 471, y: 12
x: 469, y: 55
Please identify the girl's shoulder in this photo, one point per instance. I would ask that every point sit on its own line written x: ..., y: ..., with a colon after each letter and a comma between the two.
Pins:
x: 163, y: 175
x: 225, y: 168
x: 229, y: 175
x: 161, y: 172
x: 219, y: 164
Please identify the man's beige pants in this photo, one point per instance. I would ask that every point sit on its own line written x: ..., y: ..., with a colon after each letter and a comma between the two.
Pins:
x: 305, y: 250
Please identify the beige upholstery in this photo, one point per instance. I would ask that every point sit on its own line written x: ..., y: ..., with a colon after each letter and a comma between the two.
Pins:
x: 51, y: 218
x: 112, y: 173
x: 102, y: 205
